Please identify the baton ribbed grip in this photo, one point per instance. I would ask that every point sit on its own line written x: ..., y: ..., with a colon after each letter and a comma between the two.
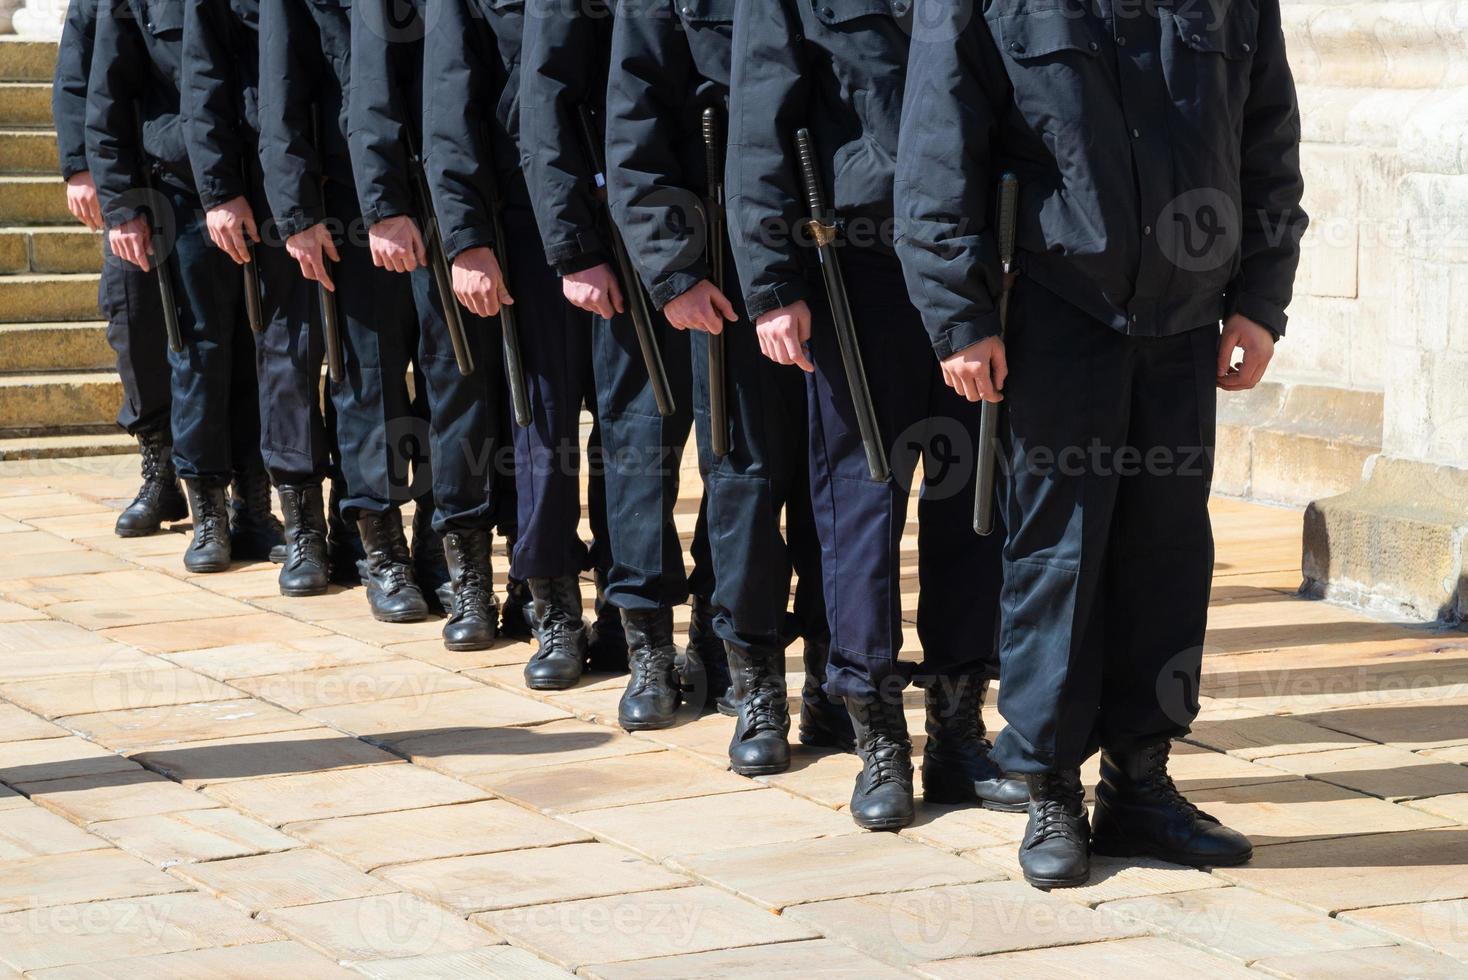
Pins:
x: 805, y: 149
x: 713, y: 149
x: 1008, y: 218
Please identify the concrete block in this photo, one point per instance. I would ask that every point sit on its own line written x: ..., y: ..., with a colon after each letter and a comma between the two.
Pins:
x: 28, y: 347
x: 25, y: 104
x: 25, y: 60
x: 33, y: 201
x: 28, y: 152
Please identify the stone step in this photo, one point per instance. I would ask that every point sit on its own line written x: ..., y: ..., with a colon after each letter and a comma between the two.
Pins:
x: 43, y: 404
x: 66, y: 447
x: 30, y: 347
x: 50, y: 249
x: 28, y: 151
x: 25, y: 60
x: 25, y: 104
x: 45, y: 298
x: 35, y: 200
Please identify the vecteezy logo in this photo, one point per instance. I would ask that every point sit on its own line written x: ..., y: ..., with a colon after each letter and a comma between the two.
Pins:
x: 1200, y: 231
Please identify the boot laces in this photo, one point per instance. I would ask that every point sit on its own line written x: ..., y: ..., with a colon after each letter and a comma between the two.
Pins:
x: 211, y: 527
x: 766, y: 707
x: 887, y: 752
x: 1055, y: 811
x: 154, y: 469
x: 651, y: 667
x: 474, y: 590
x: 1158, y: 782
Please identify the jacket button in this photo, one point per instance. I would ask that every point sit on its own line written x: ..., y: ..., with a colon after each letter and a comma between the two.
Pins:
x: 1248, y: 48
x: 827, y: 12
x: 1016, y: 47
x: 1095, y: 46
x: 1197, y: 39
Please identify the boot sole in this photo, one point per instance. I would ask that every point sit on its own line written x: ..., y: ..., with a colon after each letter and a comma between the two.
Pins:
x: 400, y: 619
x: 643, y: 726
x: 944, y: 797
x: 467, y: 647
x: 753, y: 771
x: 814, y: 742
x: 205, y: 569
x: 136, y: 533
x: 1133, y: 849
x: 1046, y: 884
x: 303, y: 593
x: 893, y: 824
x: 548, y: 686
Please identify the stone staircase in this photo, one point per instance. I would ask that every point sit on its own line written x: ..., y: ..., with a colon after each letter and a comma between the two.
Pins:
x: 59, y: 392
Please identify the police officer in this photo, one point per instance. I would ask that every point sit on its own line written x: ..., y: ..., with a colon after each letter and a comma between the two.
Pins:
x: 385, y: 113
x: 837, y: 67
x: 1157, y: 150
x: 134, y: 95
x: 564, y: 71
x: 670, y: 62
x: 127, y: 295
x: 471, y: 78
x: 221, y: 129
x: 305, y: 64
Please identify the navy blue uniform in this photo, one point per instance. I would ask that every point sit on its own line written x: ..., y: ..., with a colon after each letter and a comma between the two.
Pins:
x: 669, y: 63
x: 127, y: 295
x: 838, y: 67
x: 221, y: 109
x: 137, y: 69
x: 305, y: 64
x: 471, y: 77
x: 385, y: 126
x: 565, y: 59
x: 1157, y: 152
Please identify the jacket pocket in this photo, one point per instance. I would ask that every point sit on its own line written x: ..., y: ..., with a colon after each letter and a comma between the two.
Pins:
x: 1048, y: 35
x: 163, y: 16
x: 833, y: 13
x: 700, y: 12
x: 1201, y: 27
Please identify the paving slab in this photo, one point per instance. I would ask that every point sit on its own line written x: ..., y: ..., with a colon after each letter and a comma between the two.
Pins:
x: 132, y: 583
x: 1439, y: 926
x: 142, y: 728
x: 34, y: 760
x: 646, y: 778
x: 81, y: 876
x: 484, y: 963
x: 278, y: 657
x: 281, y: 800
x: 224, y: 760
x: 114, y: 690
x: 14, y: 612
x: 353, y: 683
x: 1111, y: 878
x: 1365, y: 964
x: 805, y: 958
x: 274, y: 881
x: 964, y: 828
x: 20, y: 725
x: 641, y: 926
x: 488, y: 882
x: 197, y: 635
x: 378, y: 927
x: 1306, y: 809
x: 405, y: 836
x: 472, y: 753
x: 1122, y: 959
x: 1409, y: 725
x: 432, y: 652
x: 1380, y: 770
x: 765, y: 816
x: 31, y: 831
x: 821, y: 776
x: 400, y: 719
x: 89, y: 658
x: 30, y: 637
x: 102, y: 613
x: 22, y: 567
x: 114, y: 796
x: 188, y: 836
x: 278, y: 959
x: 102, y: 931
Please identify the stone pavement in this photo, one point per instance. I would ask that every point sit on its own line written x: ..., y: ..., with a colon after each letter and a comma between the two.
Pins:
x: 201, y: 779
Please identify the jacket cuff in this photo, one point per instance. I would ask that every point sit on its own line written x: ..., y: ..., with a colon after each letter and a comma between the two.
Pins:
x: 581, y: 262
x: 117, y: 215
x: 214, y: 192
x: 1266, y: 313
x: 671, y: 286
x: 960, y: 336
x: 762, y: 301
x: 380, y: 212
x: 475, y: 236
x: 74, y: 164
x: 297, y: 220
x: 576, y: 254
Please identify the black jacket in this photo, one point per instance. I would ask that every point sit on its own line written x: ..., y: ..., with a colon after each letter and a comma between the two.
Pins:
x: 564, y: 66
x: 221, y: 89
x: 385, y: 105
x: 305, y: 68
x: 1157, y: 150
x: 470, y: 63
x: 69, y: 86
x: 836, y: 67
x: 670, y: 61
x: 136, y: 70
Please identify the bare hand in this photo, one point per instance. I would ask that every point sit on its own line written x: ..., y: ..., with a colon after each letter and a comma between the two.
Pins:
x: 701, y: 308
x: 783, y: 334
x: 232, y: 227
x: 978, y: 372
x: 81, y: 200
x: 132, y: 241
x: 396, y: 244
x: 311, y: 248
x: 595, y: 290
x: 479, y: 283
x: 1255, y: 341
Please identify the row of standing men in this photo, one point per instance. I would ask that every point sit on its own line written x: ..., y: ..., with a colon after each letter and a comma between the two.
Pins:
x: 348, y: 150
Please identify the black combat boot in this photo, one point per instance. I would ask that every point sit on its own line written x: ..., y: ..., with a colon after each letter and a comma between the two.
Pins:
x: 652, y: 696
x: 159, y: 499
x: 607, y: 653
x: 387, y: 570
x: 761, y: 743
x: 824, y: 721
x: 1139, y: 811
x: 343, y: 543
x: 882, y: 799
x: 430, y: 568
x: 517, y: 615
x: 305, y: 571
x: 703, y: 666
x: 210, y: 549
x: 561, y: 632
x: 472, y: 608
x: 956, y: 764
x: 1056, y: 851
x: 255, y: 533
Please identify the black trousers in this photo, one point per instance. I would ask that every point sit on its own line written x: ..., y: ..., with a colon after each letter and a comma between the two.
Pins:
x: 1110, y: 553
x: 130, y: 300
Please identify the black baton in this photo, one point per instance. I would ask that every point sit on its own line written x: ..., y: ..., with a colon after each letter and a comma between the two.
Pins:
x: 438, y: 263
x: 160, y: 250
x: 252, y: 291
x: 331, y: 333
x: 823, y: 231
x: 713, y: 147
x: 652, y: 357
x: 989, y: 418
x: 509, y: 324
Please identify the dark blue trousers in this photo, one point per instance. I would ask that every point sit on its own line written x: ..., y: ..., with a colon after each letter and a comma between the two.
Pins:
x: 765, y: 477
x: 642, y: 454
x: 129, y: 298
x: 861, y: 521
x: 215, y: 412
x: 1110, y: 553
